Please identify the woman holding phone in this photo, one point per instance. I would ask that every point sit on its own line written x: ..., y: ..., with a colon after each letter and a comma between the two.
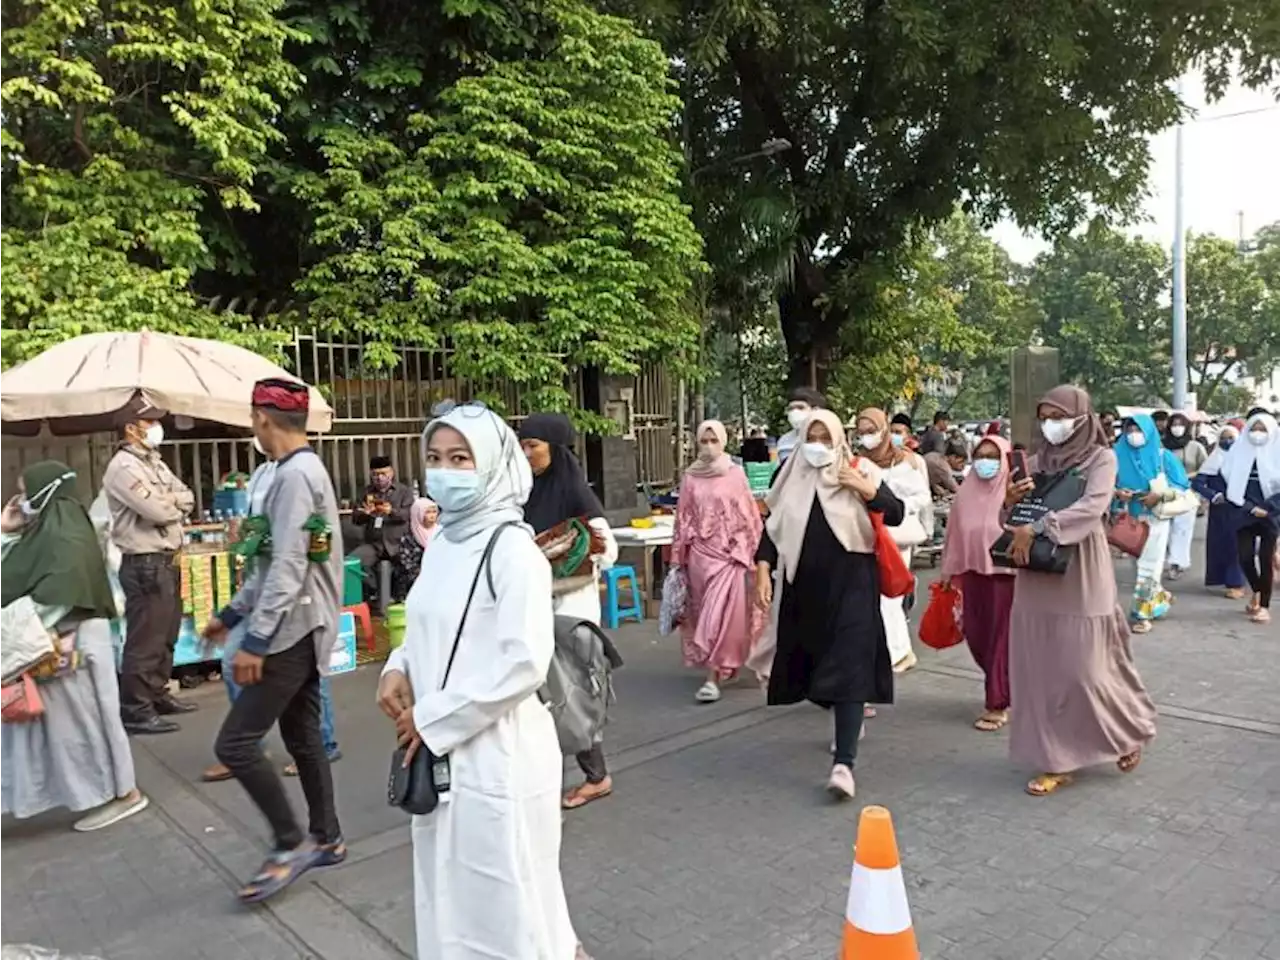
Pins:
x: 1077, y: 698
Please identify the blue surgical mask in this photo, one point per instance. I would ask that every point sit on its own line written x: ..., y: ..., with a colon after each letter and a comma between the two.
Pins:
x: 986, y: 469
x: 1136, y: 439
x: 454, y: 491
x: 897, y: 439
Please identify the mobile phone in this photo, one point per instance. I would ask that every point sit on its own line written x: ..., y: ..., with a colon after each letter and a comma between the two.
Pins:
x: 1018, y: 466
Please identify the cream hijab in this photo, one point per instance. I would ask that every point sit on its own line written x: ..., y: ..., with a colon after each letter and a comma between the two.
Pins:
x: 791, y: 499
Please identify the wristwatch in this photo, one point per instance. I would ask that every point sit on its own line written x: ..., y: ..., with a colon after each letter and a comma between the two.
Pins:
x: 1037, y: 527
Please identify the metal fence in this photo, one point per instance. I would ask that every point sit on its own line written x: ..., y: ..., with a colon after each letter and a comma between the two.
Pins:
x: 376, y: 411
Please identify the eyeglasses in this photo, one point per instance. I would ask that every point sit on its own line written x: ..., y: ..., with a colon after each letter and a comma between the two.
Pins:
x: 468, y: 408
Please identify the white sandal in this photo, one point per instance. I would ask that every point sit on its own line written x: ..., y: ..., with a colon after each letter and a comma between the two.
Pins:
x: 707, y: 693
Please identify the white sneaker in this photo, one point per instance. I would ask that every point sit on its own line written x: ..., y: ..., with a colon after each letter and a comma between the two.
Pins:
x: 841, y: 785
x: 707, y: 693
x: 111, y: 813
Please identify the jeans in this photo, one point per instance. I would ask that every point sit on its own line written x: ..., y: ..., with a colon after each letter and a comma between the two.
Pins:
x: 328, y: 732
x: 288, y: 694
x: 848, y: 717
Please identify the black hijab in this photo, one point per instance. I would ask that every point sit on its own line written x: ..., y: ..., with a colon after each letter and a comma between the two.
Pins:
x: 1177, y: 443
x: 561, y: 491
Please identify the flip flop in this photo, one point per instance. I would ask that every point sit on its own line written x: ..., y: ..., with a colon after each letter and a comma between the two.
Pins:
x: 576, y: 799
x: 1047, y: 783
x: 989, y: 724
x: 277, y: 872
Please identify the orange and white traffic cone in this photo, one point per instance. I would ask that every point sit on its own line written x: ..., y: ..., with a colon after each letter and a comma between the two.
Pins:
x: 877, y: 920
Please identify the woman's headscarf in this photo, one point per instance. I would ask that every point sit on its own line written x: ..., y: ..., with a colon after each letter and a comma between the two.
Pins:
x: 790, y: 500
x: 885, y: 455
x: 1084, y: 443
x: 561, y: 491
x: 974, y: 524
x: 1137, y: 467
x: 505, y: 476
x: 718, y: 466
x: 58, y: 560
x: 1177, y: 443
x: 1239, y: 461
x: 418, y: 521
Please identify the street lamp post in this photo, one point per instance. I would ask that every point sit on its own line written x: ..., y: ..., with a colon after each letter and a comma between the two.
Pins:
x: 1179, y: 274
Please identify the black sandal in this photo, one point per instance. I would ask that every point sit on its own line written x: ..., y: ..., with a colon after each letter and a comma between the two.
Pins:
x: 277, y: 872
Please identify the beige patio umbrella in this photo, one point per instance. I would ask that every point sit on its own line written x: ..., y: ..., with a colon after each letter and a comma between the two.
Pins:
x: 81, y: 385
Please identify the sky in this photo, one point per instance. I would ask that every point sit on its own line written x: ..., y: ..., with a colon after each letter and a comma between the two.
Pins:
x: 1230, y: 166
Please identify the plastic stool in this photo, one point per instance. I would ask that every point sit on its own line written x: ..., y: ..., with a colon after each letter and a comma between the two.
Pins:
x: 614, y: 613
x: 364, y: 621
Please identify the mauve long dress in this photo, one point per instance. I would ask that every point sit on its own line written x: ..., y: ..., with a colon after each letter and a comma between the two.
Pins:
x: 717, y: 531
x: 1077, y: 699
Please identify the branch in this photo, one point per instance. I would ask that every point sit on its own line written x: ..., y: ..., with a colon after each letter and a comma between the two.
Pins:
x: 77, y: 132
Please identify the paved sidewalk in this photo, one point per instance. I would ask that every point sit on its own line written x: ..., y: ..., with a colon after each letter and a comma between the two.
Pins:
x: 719, y: 842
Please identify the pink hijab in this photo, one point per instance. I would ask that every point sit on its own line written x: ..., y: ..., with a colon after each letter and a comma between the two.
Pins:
x: 418, y: 522
x: 974, y: 524
x: 716, y: 466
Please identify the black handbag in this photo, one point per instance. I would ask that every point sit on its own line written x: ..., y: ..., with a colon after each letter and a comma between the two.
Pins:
x: 1053, y: 492
x: 416, y: 788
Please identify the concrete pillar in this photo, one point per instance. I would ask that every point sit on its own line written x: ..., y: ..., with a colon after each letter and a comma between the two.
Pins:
x: 1033, y: 373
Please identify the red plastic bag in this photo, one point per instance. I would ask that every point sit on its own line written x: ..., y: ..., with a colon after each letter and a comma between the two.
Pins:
x: 940, y: 626
x: 896, y: 578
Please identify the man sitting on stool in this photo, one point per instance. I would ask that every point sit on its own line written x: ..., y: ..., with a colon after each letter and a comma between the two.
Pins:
x: 382, y: 517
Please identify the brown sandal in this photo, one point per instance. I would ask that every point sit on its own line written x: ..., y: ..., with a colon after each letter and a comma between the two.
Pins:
x: 1129, y: 762
x: 1047, y: 783
x: 991, y: 721
x: 585, y: 793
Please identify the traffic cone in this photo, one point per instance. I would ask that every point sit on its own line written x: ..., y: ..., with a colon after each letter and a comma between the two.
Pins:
x: 877, y: 920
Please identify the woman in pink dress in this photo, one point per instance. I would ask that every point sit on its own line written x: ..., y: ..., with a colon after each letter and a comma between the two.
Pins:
x: 717, y: 531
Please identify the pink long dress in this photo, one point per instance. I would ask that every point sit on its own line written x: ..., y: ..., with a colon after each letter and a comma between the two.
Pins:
x: 717, y: 531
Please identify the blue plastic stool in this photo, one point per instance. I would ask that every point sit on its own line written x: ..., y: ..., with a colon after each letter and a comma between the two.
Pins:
x: 614, y: 614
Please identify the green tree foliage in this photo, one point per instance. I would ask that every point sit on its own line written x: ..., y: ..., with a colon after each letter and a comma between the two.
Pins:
x: 129, y: 131
x: 1233, y: 317
x: 1102, y: 300
x: 897, y: 112
x: 499, y: 173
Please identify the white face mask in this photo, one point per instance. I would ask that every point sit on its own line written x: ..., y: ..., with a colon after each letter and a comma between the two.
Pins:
x: 1258, y: 438
x: 818, y: 455
x: 1058, y: 431
x: 1136, y: 439
x: 796, y: 416
x: 154, y: 436
x: 1178, y: 431
x: 869, y: 441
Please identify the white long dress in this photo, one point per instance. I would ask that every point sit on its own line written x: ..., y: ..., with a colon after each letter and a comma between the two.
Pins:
x: 487, y: 860
x: 910, y: 485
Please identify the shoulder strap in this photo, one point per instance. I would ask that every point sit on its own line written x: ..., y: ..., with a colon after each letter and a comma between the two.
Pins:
x: 488, y: 571
x: 483, y: 566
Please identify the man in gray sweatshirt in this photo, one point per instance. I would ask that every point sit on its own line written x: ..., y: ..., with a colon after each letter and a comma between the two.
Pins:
x: 291, y: 603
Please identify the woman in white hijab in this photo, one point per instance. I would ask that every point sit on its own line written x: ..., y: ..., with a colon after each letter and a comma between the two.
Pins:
x: 1251, y: 469
x: 487, y: 860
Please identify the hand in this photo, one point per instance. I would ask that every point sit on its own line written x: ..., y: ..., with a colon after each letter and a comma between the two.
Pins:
x: 246, y: 668
x: 764, y: 586
x: 407, y: 735
x: 1124, y: 496
x: 1020, y: 546
x: 213, y: 635
x: 1016, y: 492
x: 383, y: 507
x: 1217, y: 499
x: 1259, y: 513
x: 395, y: 694
x: 1152, y: 499
x: 12, y: 520
x: 853, y: 479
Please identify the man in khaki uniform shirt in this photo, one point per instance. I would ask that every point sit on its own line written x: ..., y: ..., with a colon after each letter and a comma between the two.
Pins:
x: 148, y: 504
